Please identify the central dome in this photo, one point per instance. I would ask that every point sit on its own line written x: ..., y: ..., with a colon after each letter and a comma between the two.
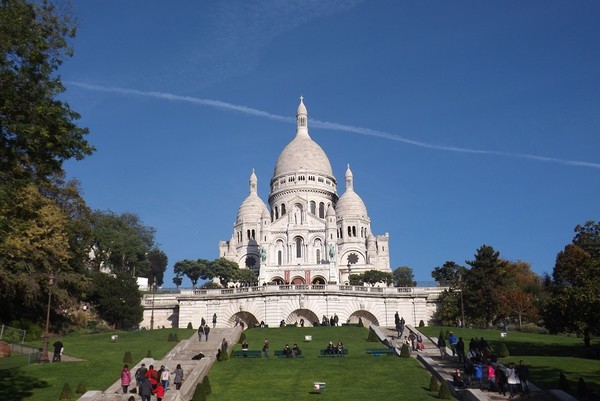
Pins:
x: 302, y: 154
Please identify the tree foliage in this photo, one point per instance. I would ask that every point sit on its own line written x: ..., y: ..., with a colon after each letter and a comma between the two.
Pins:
x: 192, y: 269
x: 376, y: 276
x: 38, y: 132
x: 403, y: 277
x: 117, y: 299
x: 575, y: 285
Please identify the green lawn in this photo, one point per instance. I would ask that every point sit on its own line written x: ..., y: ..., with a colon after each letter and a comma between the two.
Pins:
x: 100, y: 368
x: 352, y: 377
x: 547, y: 355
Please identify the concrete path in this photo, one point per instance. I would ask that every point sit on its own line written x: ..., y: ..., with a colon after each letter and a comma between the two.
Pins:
x: 194, y: 370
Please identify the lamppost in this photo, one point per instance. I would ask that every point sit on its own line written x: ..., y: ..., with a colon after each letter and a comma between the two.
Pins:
x: 462, y: 305
x: 152, y: 288
x: 44, y: 358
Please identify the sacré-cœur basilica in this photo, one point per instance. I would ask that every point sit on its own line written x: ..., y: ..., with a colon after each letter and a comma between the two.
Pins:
x: 303, y: 247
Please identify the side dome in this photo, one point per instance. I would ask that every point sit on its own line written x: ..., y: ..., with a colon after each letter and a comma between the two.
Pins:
x: 350, y: 204
x: 302, y: 153
x: 252, y: 208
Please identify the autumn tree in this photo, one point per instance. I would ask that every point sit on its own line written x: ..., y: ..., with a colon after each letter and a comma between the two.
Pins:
x: 575, y: 286
x: 521, y: 294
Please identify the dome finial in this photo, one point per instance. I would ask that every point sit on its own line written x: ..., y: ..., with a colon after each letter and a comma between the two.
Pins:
x: 302, y: 119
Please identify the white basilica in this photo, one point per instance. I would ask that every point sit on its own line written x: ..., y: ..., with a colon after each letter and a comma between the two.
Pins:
x: 308, y: 234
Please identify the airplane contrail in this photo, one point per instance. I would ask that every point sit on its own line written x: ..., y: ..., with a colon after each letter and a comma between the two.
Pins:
x: 324, y: 124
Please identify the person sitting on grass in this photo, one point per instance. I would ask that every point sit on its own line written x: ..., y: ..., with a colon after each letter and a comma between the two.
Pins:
x: 287, y: 351
x: 331, y: 348
x: 296, y: 350
x: 340, y: 348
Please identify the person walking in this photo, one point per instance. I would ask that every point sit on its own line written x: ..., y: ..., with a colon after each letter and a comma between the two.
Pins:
x: 58, y: 348
x: 145, y: 389
x: 140, y: 374
x: 178, y: 379
x: 523, y: 373
x: 265, y: 348
x: 214, y: 320
x: 441, y: 343
x: 200, y: 332
x: 206, y: 331
x: 165, y: 377
x: 125, y: 378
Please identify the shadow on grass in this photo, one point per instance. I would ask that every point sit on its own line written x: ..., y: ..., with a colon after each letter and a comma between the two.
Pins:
x: 542, y: 349
x: 17, y: 386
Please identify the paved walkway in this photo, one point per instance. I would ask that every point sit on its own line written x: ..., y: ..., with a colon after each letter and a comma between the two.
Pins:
x: 194, y: 370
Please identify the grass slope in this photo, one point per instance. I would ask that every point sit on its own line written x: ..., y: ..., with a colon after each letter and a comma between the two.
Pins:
x: 102, y: 361
x: 352, y: 377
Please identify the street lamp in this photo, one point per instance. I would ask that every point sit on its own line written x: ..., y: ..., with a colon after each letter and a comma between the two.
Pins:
x: 44, y: 357
x: 152, y: 288
x: 462, y: 305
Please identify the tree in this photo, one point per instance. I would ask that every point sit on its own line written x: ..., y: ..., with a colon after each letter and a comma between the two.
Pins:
x: 575, y: 286
x: 37, y: 131
x: 192, y: 269
x: 521, y: 295
x: 356, y: 279
x: 403, y: 277
x: 246, y: 277
x: 482, y: 286
x: 121, y: 243
x: 375, y: 276
x: 117, y: 299
x: 449, y: 310
x: 157, y: 264
x: 177, y: 281
x: 223, y: 269
x: 449, y: 274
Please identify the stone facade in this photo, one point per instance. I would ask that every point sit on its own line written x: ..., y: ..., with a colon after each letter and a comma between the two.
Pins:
x: 307, y: 235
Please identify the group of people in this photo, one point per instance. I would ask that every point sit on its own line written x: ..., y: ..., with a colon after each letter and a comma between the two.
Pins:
x: 150, y: 381
x: 335, y: 349
x: 292, y: 352
x: 414, y: 342
x: 204, y: 329
x: 501, y: 378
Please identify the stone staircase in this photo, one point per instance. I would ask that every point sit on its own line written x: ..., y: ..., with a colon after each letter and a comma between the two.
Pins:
x: 182, y: 353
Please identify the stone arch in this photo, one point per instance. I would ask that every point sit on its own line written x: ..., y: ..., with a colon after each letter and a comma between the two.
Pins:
x: 309, y: 317
x: 248, y: 318
x: 277, y: 280
x: 297, y: 280
x: 366, y: 317
x: 319, y: 280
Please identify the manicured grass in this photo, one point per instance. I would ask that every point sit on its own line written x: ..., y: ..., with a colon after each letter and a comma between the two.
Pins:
x: 547, y: 355
x: 101, y: 365
x: 355, y: 376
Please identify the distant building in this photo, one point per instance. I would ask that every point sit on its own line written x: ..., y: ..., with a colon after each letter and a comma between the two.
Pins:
x: 307, y: 234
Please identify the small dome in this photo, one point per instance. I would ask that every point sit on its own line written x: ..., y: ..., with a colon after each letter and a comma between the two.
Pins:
x: 252, y: 208
x: 350, y: 204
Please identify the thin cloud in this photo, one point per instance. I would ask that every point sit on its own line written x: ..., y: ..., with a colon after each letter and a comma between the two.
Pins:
x: 325, y: 125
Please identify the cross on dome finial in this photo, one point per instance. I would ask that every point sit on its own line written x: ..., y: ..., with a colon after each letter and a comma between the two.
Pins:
x: 301, y: 98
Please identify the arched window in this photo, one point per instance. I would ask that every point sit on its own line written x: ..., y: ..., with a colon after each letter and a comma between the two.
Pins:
x: 298, y: 247
x: 354, y: 231
x: 276, y: 212
x: 322, y: 210
x: 283, y: 209
x: 279, y: 257
x: 318, y: 256
x: 248, y: 234
x: 313, y: 207
x: 349, y: 231
x: 253, y: 234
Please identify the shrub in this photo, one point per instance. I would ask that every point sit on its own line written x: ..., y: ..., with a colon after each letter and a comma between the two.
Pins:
x: 563, y: 383
x: 127, y: 357
x: 149, y: 354
x: 189, y: 326
x: 441, y: 335
x: 502, y: 351
x: 175, y: 338
x: 81, y: 389
x: 360, y: 322
x: 199, y: 394
x: 242, y: 338
x: 582, y: 389
x: 434, y: 385
x: 206, y: 385
x: 533, y: 328
x: 421, y: 323
x: 66, y: 393
x: 404, y: 352
x: 372, y: 336
x: 444, y: 392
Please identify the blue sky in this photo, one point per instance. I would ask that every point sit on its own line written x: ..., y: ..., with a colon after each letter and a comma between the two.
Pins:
x: 465, y: 123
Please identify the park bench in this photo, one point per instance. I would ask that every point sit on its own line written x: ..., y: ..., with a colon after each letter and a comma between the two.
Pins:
x: 247, y: 354
x: 280, y: 354
x: 324, y: 353
x: 380, y: 351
